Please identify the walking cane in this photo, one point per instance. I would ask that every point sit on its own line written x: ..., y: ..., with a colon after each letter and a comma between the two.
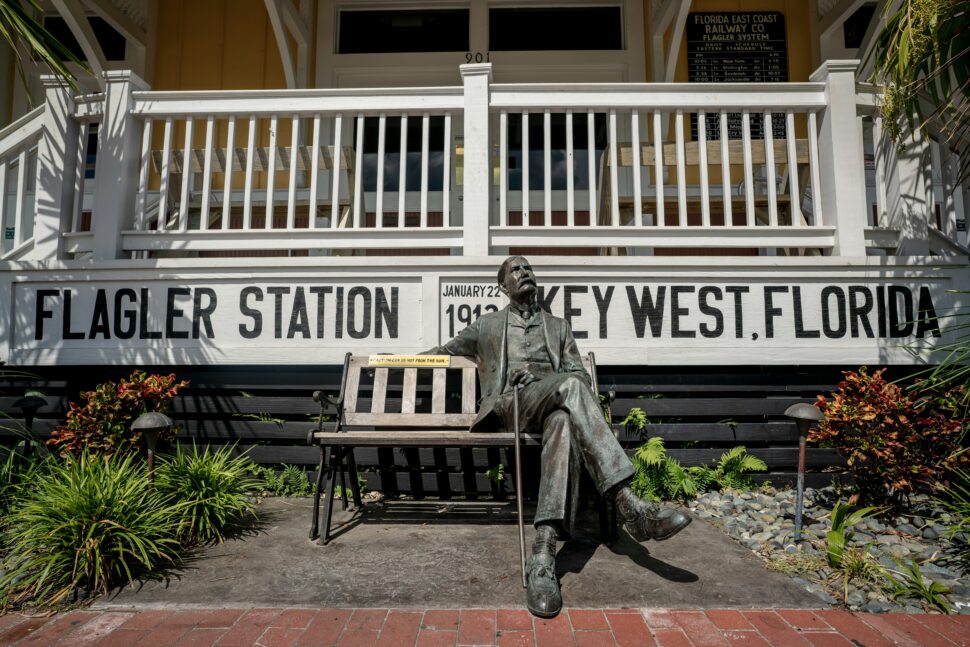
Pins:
x: 518, y: 480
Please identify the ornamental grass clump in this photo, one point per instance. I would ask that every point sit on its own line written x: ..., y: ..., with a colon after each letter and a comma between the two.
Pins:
x: 103, y: 423
x: 213, y: 488
x: 90, y: 523
x: 895, y: 441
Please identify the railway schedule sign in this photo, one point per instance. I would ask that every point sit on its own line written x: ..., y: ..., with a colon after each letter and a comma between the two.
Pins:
x: 788, y: 312
x: 737, y: 47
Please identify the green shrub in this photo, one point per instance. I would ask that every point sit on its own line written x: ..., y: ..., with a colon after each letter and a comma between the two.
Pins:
x: 659, y: 477
x: 290, y: 480
x: 103, y: 423
x: 954, y: 497
x: 91, y: 522
x: 213, y: 489
x: 15, y: 470
x: 894, y: 442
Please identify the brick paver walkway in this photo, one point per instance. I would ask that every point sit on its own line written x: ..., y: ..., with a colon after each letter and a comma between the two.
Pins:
x: 580, y: 627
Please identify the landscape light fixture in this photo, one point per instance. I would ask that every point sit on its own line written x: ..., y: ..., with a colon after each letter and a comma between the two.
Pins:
x: 151, y: 424
x: 804, y: 415
x: 29, y: 405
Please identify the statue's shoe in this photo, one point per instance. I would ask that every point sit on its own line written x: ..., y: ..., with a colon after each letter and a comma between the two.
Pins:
x: 650, y: 521
x: 542, y: 590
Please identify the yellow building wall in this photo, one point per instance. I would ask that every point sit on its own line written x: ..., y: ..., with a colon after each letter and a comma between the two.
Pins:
x: 215, y: 45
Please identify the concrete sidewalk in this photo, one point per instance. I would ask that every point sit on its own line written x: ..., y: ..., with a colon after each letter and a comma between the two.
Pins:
x: 460, y: 555
x: 439, y: 573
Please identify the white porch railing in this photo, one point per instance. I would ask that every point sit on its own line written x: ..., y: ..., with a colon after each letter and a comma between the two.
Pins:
x: 650, y: 183
x: 474, y: 170
x: 18, y: 175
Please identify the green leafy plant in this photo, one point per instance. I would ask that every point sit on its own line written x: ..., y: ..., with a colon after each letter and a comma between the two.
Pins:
x: 496, y: 473
x: 636, y: 421
x: 894, y: 442
x: 732, y: 469
x: 103, y: 423
x: 954, y: 497
x: 214, y: 488
x: 912, y: 584
x: 260, y: 416
x: 922, y: 61
x: 91, y: 522
x: 15, y: 471
x: 840, y: 531
x: 289, y: 480
x: 659, y: 477
x: 27, y: 36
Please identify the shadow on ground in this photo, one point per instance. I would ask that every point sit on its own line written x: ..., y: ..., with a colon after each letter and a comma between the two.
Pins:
x: 459, y: 554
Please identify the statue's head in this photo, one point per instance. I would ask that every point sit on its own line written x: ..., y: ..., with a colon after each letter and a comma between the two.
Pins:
x: 516, y: 279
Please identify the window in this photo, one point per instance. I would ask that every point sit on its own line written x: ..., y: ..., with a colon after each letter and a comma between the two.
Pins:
x: 555, y: 28
x: 854, y: 28
x: 388, y: 31
x: 112, y: 43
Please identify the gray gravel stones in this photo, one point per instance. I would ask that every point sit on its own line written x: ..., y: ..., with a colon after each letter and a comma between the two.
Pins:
x: 763, y: 521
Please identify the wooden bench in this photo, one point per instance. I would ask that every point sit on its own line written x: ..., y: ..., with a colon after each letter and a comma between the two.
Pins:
x: 380, y: 406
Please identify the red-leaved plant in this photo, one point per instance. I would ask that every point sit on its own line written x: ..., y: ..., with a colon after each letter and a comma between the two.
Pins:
x: 103, y: 424
x: 896, y: 442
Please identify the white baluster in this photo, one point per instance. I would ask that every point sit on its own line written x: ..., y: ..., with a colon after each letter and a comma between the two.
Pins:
x: 817, y: 215
x: 446, y: 179
x: 748, y: 168
x: 614, y: 172
x: 210, y: 127
x: 402, y: 172
x: 250, y: 165
x: 702, y: 164
x: 162, y: 225
x: 681, y: 169
x: 294, y: 157
x: 183, y: 222
x: 591, y: 163
x: 358, y: 174
x: 658, y: 165
x: 227, y: 177
x: 637, y: 189
x: 503, y: 175
x: 525, y: 168
x: 570, y: 179
x: 141, y: 200
x: 271, y: 172
x: 770, y: 168
x: 381, y: 134
x: 726, y: 171
x: 547, y: 167
x: 425, y: 154
x: 314, y: 173
x: 335, y: 173
x: 793, y: 188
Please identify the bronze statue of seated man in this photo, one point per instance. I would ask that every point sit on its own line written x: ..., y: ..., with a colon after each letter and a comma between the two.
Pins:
x: 523, y: 345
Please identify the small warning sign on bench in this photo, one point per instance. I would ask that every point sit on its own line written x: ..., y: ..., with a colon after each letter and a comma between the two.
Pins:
x: 409, y: 361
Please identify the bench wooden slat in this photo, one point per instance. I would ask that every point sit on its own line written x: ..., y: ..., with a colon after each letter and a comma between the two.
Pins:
x: 456, y: 420
x: 410, y: 390
x: 351, y: 388
x: 468, y: 390
x: 423, y: 439
x: 438, y: 390
x: 380, y: 391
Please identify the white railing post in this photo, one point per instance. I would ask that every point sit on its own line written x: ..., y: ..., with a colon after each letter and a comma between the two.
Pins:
x: 478, y: 166
x: 116, y: 169
x: 56, y: 157
x: 841, y: 161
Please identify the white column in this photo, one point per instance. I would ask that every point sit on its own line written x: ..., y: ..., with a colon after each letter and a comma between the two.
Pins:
x: 116, y: 169
x: 56, y: 160
x: 478, y: 166
x: 841, y: 162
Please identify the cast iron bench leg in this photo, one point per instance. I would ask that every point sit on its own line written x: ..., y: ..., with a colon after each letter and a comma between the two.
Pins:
x: 354, y: 485
x: 315, y: 525
x: 335, y: 459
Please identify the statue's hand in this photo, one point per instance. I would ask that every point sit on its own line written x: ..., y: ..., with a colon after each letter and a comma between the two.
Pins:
x: 522, y: 376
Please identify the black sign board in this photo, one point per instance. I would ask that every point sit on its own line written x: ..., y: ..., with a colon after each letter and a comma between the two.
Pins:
x: 737, y: 47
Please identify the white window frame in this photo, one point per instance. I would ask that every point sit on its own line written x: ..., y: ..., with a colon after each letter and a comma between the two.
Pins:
x: 441, y: 68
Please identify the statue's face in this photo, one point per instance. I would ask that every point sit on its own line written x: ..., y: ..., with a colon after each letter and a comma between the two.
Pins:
x: 520, y: 282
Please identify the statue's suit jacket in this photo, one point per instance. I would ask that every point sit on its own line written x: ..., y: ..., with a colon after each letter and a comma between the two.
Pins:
x: 487, y: 341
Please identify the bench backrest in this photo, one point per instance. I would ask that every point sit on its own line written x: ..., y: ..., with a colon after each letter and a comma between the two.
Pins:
x: 394, y: 394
